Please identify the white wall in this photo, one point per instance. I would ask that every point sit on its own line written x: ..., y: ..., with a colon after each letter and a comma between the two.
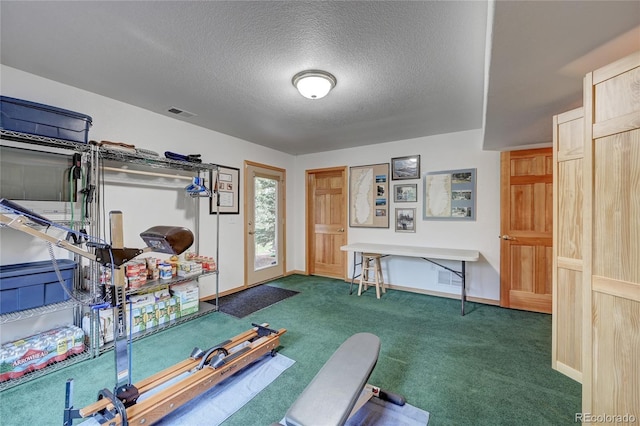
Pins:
x: 452, y: 151
x: 144, y: 206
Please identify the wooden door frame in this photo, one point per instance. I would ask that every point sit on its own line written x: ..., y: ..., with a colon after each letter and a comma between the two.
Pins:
x: 284, y: 215
x: 308, y: 212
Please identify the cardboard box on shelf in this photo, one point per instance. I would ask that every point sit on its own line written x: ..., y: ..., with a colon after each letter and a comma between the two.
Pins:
x: 188, y: 296
x: 150, y: 318
x: 173, y: 308
x: 136, y: 320
x: 106, y: 325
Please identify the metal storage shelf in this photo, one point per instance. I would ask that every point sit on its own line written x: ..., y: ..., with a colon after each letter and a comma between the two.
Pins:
x: 155, y: 284
x: 46, y: 309
x: 148, y: 160
x: 97, y: 155
x: 140, y: 160
x: 204, y: 308
x: 43, y: 141
x: 72, y: 359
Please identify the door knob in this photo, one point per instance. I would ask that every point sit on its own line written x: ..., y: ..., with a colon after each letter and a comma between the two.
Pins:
x: 507, y: 237
x: 251, y: 232
x: 341, y: 230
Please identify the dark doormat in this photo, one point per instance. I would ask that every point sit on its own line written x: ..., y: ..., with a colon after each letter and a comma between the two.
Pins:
x: 248, y: 301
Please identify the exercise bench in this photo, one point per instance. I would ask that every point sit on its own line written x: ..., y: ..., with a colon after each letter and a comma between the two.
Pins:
x: 340, y: 388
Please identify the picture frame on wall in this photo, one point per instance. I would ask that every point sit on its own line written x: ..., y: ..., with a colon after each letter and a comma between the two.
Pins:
x: 227, y: 182
x: 407, y: 167
x: 405, y: 193
x: 450, y: 195
x: 406, y: 220
x: 369, y: 196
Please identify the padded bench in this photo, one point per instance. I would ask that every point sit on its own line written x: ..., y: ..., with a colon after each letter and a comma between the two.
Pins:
x: 333, y: 392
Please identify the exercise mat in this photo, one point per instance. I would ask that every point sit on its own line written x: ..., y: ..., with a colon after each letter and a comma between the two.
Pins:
x: 377, y: 412
x: 220, y: 402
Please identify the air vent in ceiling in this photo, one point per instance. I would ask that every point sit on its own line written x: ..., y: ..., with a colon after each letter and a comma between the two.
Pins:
x: 181, y: 112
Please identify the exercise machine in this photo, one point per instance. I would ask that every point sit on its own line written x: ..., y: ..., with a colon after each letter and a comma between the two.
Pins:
x: 174, y: 386
x: 171, y: 388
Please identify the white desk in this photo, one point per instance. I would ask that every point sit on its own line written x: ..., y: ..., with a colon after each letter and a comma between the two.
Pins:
x: 425, y: 253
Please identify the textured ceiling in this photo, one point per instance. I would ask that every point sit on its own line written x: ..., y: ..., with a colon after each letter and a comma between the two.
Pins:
x: 404, y: 69
x: 540, y: 53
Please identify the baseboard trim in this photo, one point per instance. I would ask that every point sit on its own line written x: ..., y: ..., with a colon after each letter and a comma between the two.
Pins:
x: 475, y: 299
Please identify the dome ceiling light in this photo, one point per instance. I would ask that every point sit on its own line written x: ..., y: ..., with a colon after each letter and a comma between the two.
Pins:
x: 314, y: 84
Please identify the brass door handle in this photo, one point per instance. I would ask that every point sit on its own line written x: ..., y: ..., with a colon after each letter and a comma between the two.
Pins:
x: 507, y: 237
x: 341, y: 230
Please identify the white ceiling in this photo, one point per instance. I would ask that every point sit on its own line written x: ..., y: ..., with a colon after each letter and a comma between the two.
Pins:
x: 404, y: 69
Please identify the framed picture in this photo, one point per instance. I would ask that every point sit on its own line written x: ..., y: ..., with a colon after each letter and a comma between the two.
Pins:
x: 405, y: 220
x: 405, y: 167
x: 450, y: 195
x: 405, y: 193
x: 369, y: 196
x: 227, y: 182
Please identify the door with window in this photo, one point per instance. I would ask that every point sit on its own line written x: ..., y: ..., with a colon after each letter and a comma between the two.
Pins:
x: 265, y: 222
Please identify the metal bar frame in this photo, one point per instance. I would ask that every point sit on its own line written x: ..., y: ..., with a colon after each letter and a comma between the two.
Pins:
x: 462, y: 274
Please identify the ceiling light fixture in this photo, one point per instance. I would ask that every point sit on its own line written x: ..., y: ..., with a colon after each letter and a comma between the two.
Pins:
x: 314, y: 84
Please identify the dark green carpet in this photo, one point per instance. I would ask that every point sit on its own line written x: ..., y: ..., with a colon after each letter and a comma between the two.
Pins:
x: 490, y: 367
x: 253, y: 299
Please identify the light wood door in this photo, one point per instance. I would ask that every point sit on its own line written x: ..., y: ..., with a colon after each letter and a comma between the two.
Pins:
x: 327, y: 222
x: 568, y: 236
x: 264, y: 223
x: 611, y: 377
x: 526, y: 222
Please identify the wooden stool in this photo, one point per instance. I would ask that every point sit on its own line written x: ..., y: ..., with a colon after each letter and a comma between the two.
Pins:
x: 371, y: 266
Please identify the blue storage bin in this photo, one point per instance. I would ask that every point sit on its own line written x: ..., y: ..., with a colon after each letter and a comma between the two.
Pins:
x: 43, y: 120
x: 31, y: 285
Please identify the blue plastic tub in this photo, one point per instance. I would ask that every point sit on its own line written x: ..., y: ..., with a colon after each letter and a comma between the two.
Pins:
x: 31, y: 285
x: 43, y: 120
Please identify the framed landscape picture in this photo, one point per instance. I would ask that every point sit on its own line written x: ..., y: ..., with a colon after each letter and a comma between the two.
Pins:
x: 405, y: 167
x: 405, y: 193
x: 405, y: 220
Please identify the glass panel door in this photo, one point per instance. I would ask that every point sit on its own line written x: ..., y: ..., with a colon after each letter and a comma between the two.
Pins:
x: 266, y: 225
x: 264, y: 237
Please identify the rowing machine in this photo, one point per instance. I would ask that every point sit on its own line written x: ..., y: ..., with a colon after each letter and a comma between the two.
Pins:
x: 182, y: 382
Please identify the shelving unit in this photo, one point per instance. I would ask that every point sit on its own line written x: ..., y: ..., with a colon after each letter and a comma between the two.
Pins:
x: 144, y: 161
x: 72, y: 359
x: 156, y: 284
x: 43, y: 141
x: 46, y: 309
x: 204, y: 309
x: 80, y: 298
x: 96, y: 156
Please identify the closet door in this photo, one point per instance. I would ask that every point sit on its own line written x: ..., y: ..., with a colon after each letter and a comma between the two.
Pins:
x: 611, y: 378
x: 568, y: 156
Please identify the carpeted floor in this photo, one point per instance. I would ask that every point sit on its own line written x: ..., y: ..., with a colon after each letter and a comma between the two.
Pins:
x: 490, y: 367
x: 253, y: 299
